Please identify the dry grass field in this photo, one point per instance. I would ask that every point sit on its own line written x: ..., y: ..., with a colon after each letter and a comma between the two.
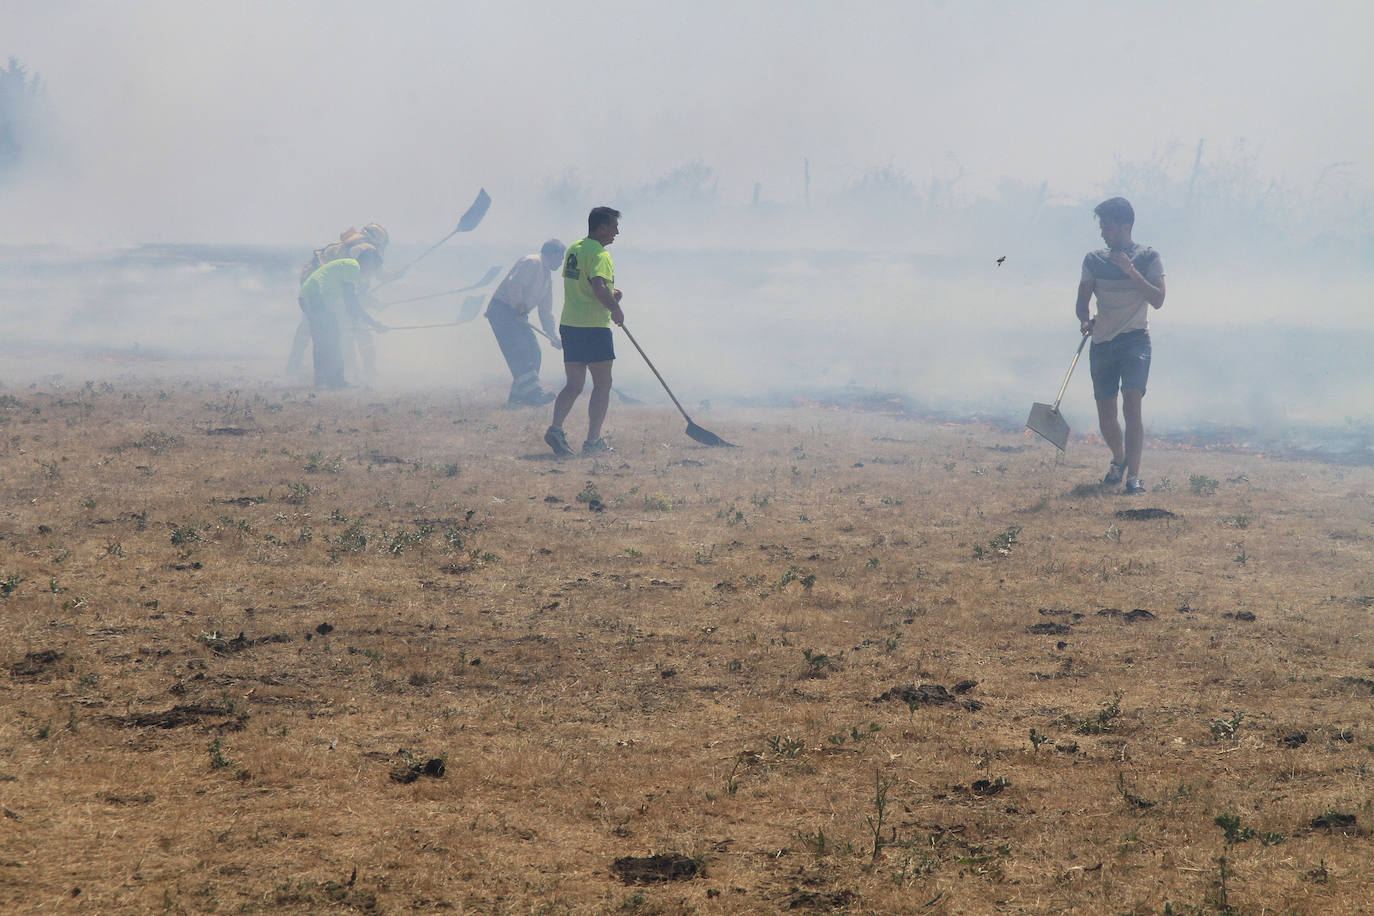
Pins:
x: 267, y: 651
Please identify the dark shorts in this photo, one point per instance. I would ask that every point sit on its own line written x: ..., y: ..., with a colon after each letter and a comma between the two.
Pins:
x: 1120, y: 363
x: 586, y: 345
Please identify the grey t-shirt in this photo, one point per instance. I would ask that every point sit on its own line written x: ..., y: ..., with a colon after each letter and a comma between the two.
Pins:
x: 1120, y: 306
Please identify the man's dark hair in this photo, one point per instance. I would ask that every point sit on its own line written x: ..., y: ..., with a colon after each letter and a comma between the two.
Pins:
x: 1116, y: 210
x: 599, y: 217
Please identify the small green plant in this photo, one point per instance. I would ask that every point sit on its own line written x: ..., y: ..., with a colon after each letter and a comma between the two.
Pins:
x: 731, y: 785
x: 1202, y: 485
x: 9, y: 585
x: 1232, y: 830
x: 1037, y: 739
x: 822, y: 845
x: 1226, y: 728
x: 186, y: 534
x: 817, y: 663
x: 353, y: 538
x: 450, y: 470
x: 589, y: 494
x: 88, y: 502
x: 1241, y: 557
x: 298, y: 493
x: 872, y: 563
x: 881, y: 784
x: 657, y: 502
x: 1105, y: 719
x: 1000, y: 545
x: 317, y: 463
x: 1235, y: 521
x: 157, y: 442
x: 114, y: 549
x: 217, y: 759
x: 1163, y: 485
x: 794, y: 575
x: 786, y: 746
x: 732, y: 516
x: 400, y: 540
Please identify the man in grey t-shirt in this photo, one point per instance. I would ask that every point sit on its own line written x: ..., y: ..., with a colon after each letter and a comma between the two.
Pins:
x: 1126, y: 278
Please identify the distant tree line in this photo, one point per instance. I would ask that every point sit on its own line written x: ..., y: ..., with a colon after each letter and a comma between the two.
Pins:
x: 25, y: 116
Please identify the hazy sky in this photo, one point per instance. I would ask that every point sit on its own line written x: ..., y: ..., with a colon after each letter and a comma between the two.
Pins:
x: 243, y: 121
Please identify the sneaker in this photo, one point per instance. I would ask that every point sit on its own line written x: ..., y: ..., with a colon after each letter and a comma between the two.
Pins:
x: 597, y: 446
x: 1134, y: 486
x: 558, y: 441
x: 531, y: 399
x: 1114, y: 474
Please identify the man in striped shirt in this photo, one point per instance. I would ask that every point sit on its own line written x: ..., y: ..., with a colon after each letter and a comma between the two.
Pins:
x: 1126, y: 278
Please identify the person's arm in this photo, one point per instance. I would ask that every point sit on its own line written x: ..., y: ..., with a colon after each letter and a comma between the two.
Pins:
x: 1153, y: 292
x: 355, y: 308
x: 1080, y: 308
x: 609, y: 298
x: 546, y: 317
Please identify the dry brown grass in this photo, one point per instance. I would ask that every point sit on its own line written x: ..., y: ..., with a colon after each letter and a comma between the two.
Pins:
x: 692, y: 670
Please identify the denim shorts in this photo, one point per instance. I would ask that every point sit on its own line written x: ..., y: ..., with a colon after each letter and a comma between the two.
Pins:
x: 586, y: 345
x: 1120, y: 363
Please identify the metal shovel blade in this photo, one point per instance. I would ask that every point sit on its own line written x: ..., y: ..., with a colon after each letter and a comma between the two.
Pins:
x: 471, y: 306
x: 469, y: 220
x: 705, y: 436
x: 1048, y: 422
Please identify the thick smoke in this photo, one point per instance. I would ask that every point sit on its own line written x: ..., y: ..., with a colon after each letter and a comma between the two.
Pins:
x: 815, y: 203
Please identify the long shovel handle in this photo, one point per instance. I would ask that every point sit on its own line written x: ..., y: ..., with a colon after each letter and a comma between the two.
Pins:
x: 400, y: 273
x: 656, y: 373
x: 1059, y: 397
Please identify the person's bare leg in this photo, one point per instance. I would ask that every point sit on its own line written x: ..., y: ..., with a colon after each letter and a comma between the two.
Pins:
x: 1135, y: 429
x: 1111, y: 429
x: 600, y: 399
x: 577, y: 376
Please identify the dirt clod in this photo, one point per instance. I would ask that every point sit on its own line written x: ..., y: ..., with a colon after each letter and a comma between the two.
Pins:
x: 927, y: 695
x: 672, y: 866
x: 815, y: 900
x: 1361, y: 685
x: 34, y: 663
x: 1333, y: 820
x: 185, y: 714
x: 1049, y: 629
x: 984, y: 788
x: 412, y: 768
x: 1137, y: 515
x: 1296, y: 739
x: 221, y: 646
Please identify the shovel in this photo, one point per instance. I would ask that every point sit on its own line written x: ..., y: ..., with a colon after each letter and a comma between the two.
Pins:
x: 471, y: 306
x: 486, y: 278
x: 1045, y: 419
x: 466, y: 223
x: 704, y: 436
